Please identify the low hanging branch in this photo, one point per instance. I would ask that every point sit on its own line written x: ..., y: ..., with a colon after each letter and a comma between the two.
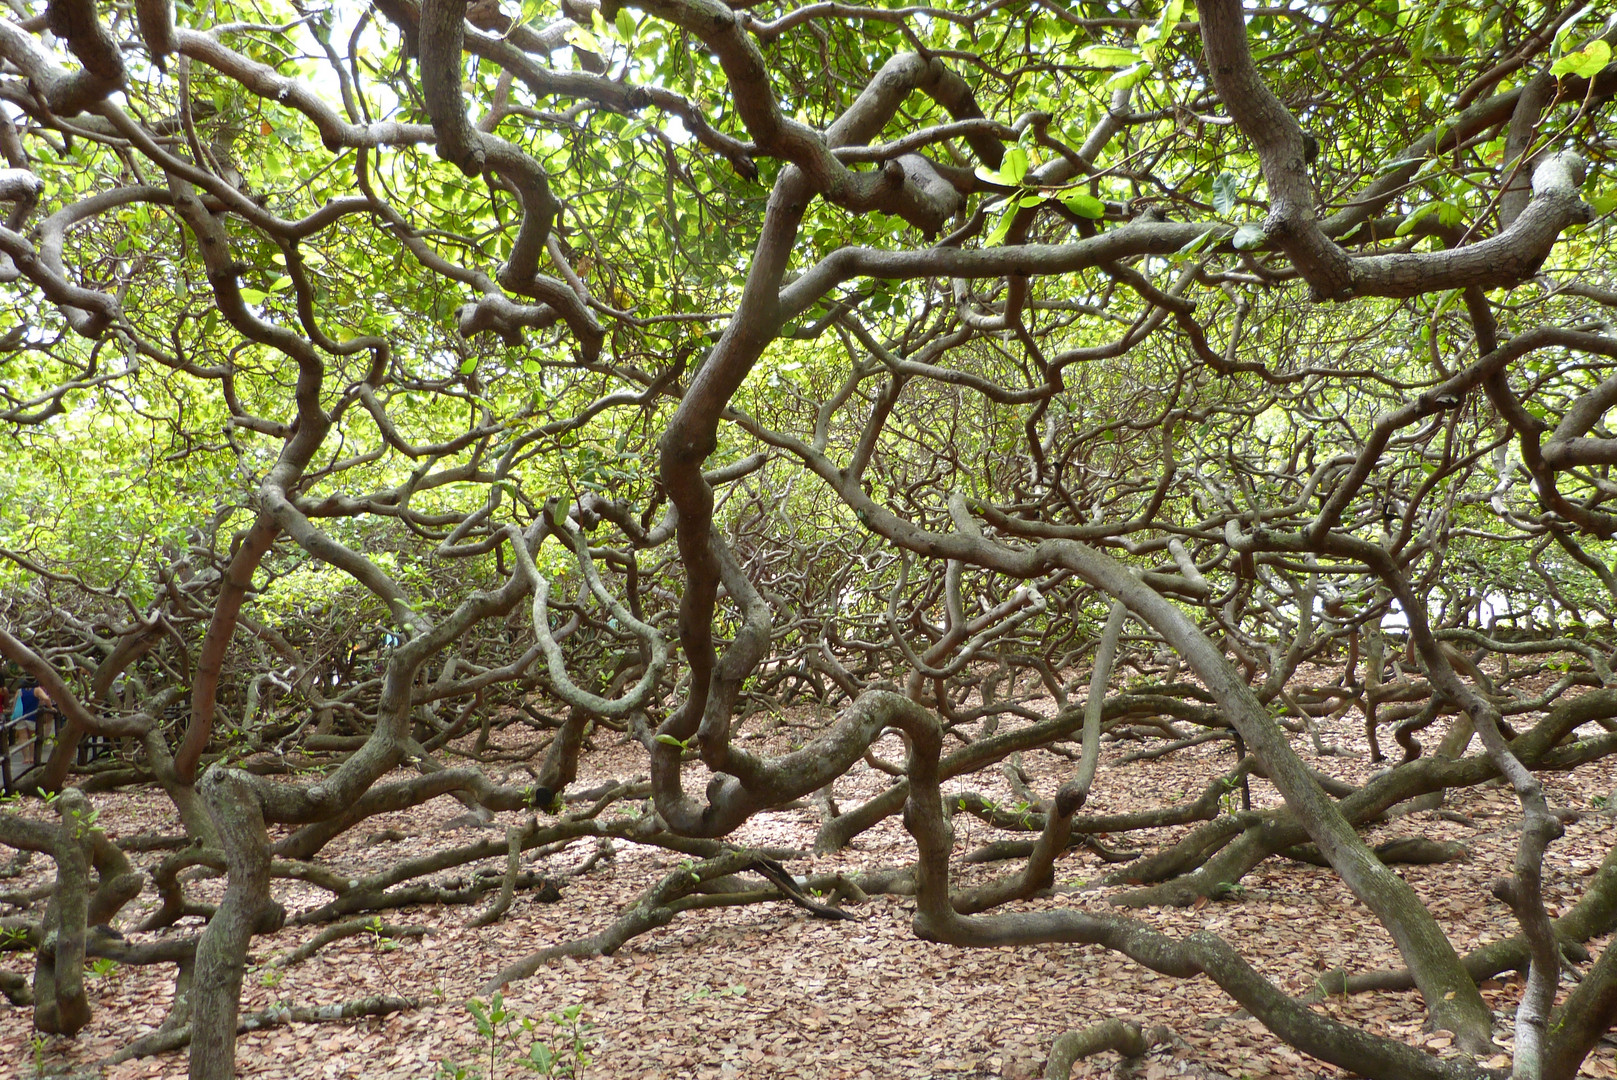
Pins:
x: 372, y: 925
x: 346, y: 354
x: 634, y: 698
x: 167, y: 1041
x: 1074, y: 1046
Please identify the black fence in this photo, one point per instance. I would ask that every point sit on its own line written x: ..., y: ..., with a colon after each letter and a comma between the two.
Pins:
x: 26, y: 743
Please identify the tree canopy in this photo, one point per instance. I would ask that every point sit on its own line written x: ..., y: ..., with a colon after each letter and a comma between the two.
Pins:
x: 375, y: 375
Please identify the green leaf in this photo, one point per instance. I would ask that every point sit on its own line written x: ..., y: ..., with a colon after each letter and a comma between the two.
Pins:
x: 1408, y: 224
x: 1015, y: 165
x: 468, y: 365
x: 1586, y: 62
x: 669, y: 740
x: 252, y: 296
x: 625, y: 23
x: 1108, y: 56
x: 1225, y: 192
x: 1084, y: 204
x: 580, y: 37
x: 1398, y: 163
x: 1249, y: 236
x: 1196, y: 243
x: 1001, y: 228
x: 1446, y: 303
x: 1565, y: 33
x: 1448, y: 215
x: 1149, y: 37
x: 1129, y: 76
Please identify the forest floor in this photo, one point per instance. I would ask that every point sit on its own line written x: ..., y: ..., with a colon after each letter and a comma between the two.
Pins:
x: 769, y: 991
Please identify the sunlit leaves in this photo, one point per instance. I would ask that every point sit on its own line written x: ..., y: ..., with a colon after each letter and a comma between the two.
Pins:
x: 1084, y: 204
x: 1014, y: 167
x: 1197, y: 243
x: 657, y: 225
x: 1011, y: 171
x: 1002, y: 227
x: 1586, y: 62
x: 1249, y: 236
x: 1108, y: 56
x: 1448, y: 216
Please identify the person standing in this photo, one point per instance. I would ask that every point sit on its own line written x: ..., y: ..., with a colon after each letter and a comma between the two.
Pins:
x: 29, y: 711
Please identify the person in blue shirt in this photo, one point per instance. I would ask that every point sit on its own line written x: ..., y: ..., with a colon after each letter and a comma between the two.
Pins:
x: 29, y: 698
x: 27, y: 705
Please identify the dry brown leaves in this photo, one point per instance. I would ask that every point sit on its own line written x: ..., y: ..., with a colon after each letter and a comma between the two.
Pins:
x: 767, y: 991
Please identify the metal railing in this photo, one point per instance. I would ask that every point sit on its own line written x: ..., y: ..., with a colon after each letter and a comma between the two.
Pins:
x: 26, y: 743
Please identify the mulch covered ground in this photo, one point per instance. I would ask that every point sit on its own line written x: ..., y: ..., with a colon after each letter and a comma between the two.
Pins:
x: 769, y: 991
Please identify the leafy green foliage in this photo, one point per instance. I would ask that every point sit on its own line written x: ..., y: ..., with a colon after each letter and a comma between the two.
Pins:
x: 565, y: 1053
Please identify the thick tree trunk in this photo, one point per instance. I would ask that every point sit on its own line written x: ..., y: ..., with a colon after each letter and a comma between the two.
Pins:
x: 1587, y: 1014
x: 60, y: 1004
x: 222, y: 952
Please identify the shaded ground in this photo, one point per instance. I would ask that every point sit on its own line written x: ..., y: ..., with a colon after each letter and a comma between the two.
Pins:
x: 767, y: 991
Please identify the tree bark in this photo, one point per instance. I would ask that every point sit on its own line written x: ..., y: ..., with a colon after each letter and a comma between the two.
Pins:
x: 222, y: 953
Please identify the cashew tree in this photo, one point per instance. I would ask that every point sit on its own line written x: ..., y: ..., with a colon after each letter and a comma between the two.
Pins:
x: 380, y: 376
